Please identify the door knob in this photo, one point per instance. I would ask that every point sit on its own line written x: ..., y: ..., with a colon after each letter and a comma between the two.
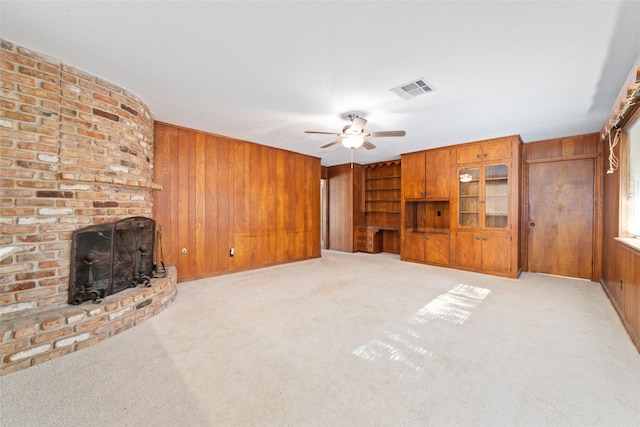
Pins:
x: 533, y: 224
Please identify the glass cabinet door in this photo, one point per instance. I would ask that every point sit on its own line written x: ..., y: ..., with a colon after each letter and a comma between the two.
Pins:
x: 469, y: 197
x: 496, y: 205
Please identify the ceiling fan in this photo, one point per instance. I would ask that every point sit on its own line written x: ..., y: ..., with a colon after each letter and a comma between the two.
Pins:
x: 353, y: 135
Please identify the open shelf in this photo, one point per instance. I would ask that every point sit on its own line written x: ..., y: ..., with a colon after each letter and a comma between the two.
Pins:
x: 426, y: 216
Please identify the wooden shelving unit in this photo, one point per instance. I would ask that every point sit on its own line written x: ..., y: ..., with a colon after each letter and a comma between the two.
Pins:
x: 381, y: 206
x: 382, y: 193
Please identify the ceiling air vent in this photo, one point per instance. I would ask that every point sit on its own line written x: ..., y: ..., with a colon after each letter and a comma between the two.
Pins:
x: 412, y: 89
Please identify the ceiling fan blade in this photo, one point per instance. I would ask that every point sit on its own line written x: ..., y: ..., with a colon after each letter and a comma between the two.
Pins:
x: 337, y: 141
x: 358, y: 124
x: 321, y: 133
x: 386, y: 133
x: 368, y: 145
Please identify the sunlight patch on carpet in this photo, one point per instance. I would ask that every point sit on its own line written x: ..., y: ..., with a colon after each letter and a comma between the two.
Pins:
x: 455, y: 306
x: 404, y: 346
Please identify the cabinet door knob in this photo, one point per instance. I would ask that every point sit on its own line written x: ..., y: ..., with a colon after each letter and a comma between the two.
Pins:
x: 428, y: 193
x: 477, y: 237
x: 478, y: 156
x: 485, y: 155
x: 484, y: 238
x: 422, y: 193
x: 426, y: 237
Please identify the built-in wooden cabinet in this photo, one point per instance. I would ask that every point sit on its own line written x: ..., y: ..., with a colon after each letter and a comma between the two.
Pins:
x: 489, y: 252
x: 488, y: 151
x: 426, y: 174
x: 486, y: 211
x: 425, y: 232
x: 430, y: 248
x: 425, y: 206
x: 369, y: 239
x: 460, y: 206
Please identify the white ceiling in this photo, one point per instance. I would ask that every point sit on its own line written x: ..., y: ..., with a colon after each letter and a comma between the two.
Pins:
x: 267, y: 71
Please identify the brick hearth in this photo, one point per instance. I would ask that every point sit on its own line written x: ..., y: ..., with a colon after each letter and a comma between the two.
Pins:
x: 52, y: 332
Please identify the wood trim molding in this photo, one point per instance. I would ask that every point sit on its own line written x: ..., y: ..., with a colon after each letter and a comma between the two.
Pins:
x: 560, y: 159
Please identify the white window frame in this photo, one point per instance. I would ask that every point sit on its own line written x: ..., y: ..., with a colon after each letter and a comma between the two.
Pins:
x: 630, y: 183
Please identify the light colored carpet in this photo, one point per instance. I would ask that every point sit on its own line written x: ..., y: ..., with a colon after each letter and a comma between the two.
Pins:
x: 350, y: 340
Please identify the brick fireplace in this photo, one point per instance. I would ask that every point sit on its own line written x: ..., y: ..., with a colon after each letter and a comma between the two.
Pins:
x: 76, y: 150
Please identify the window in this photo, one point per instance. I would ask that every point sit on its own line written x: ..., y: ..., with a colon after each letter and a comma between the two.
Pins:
x: 631, y: 185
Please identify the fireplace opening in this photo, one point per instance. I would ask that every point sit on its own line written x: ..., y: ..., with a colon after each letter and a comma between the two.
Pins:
x: 111, y: 257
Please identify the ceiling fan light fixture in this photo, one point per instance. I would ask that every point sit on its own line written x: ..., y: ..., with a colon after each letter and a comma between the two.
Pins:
x: 353, y: 141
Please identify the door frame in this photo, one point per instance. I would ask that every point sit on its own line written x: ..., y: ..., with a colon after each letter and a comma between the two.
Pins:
x: 596, y: 269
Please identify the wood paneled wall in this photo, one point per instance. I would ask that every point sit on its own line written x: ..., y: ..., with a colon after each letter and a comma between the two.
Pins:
x: 569, y: 147
x: 346, y: 209
x: 621, y: 264
x: 220, y: 193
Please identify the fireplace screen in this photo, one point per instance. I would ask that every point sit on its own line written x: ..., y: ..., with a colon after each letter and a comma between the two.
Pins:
x: 108, y: 258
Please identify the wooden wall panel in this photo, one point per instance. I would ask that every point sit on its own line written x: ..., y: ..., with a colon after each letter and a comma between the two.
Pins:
x: 631, y: 288
x: 220, y: 193
x: 621, y: 264
x: 562, y: 147
x: 346, y: 205
x: 341, y: 220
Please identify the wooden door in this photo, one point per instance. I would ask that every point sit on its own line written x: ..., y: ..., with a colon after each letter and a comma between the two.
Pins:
x: 437, y: 167
x: 468, y: 246
x: 413, y: 175
x: 413, y: 247
x: 497, y: 150
x: 437, y: 249
x: 496, y: 253
x: 560, y: 227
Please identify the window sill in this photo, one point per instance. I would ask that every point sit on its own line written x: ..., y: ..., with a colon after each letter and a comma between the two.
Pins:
x: 630, y: 242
